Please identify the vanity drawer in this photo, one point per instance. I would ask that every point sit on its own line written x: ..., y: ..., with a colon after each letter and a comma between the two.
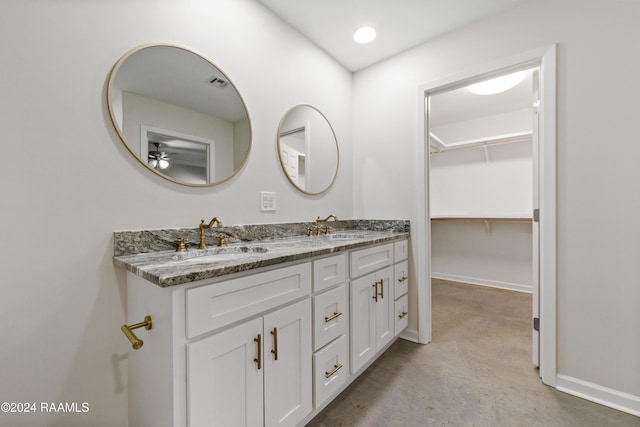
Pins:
x: 330, y: 370
x: 402, y: 313
x: 328, y: 272
x: 216, y: 305
x: 400, y: 250
x: 368, y: 260
x: 330, y: 316
x: 401, y: 281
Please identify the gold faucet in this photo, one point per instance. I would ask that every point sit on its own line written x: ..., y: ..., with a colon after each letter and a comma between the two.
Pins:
x: 318, y: 221
x: 202, y: 226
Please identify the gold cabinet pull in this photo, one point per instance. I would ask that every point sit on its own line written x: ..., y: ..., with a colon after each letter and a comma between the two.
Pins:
x: 274, y: 350
x: 258, y: 359
x: 335, y: 369
x: 136, y: 342
x: 375, y: 293
x: 335, y: 315
x: 382, y: 288
x: 401, y: 315
x: 402, y: 279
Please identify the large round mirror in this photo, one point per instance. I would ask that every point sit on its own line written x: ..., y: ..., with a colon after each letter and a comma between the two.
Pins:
x: 179, y: 115
x: 308, y: 149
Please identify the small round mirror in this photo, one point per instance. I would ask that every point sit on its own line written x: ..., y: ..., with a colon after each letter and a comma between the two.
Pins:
x: 308, y: 149
x: 179, y: 115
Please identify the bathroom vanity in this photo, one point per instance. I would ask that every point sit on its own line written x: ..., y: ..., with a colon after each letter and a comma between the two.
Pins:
x: 261, y: 332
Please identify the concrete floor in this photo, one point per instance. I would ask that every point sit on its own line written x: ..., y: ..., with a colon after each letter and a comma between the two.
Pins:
x: 477, y: 371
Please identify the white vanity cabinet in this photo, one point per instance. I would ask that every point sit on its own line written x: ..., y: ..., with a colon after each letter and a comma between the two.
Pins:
x: 266, y: 348
x: 401, y: 286
x: 199, y: 363
x: 330, y: 326
x: 225, y: 386
x: 372, y: 303
x: 228, y: 372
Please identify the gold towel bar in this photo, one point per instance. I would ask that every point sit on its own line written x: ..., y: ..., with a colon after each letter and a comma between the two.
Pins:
x: 128, y: 332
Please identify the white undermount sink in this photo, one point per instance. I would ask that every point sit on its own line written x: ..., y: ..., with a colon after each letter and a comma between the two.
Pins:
x: 219, y: 254
x: 344, y: 236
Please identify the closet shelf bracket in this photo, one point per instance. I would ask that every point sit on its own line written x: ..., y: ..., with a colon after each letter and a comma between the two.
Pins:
x: 486, y: 154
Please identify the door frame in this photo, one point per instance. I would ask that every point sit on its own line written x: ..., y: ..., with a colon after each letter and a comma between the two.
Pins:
x: 545, y: 58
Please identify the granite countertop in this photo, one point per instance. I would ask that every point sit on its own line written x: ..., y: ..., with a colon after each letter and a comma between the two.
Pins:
x: 170, y: 268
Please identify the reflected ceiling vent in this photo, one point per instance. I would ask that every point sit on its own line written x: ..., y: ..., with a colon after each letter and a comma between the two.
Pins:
x: 219, y: 82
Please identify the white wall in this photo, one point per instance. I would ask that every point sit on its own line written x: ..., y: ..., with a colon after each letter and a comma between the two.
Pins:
x: 597, y: 134
x: 484, y: 127
x: 143, y: 111
x: 68, y: 182
x: 241, y: 142
x: 498, y: 254
x: 463, y: 184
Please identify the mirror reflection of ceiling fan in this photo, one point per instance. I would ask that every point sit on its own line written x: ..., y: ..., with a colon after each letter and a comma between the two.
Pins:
x: 158, y: 159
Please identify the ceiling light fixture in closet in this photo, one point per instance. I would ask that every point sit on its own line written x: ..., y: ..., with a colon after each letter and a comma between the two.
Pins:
x: 497, y: 85
x: 364, y: 35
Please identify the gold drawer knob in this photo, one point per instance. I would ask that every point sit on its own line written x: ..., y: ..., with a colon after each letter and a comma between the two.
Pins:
x: 403, y: 314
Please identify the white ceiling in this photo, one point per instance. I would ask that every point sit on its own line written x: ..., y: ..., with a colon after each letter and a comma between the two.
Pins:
x: 400, y: 24
x: 459, y: 104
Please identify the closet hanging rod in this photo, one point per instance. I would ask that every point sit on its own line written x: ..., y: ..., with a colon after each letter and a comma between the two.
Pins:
x: 481, y: 219
x: 487, y: 142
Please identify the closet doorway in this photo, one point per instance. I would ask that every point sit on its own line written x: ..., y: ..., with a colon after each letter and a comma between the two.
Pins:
x: 481, y: 191
x: 489, y: 190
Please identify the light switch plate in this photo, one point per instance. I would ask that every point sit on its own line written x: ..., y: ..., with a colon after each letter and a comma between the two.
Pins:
x: 267, y: 201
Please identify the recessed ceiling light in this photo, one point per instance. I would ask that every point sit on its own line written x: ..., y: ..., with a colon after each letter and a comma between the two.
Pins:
x: 497, y: 85
x: 364, y: 35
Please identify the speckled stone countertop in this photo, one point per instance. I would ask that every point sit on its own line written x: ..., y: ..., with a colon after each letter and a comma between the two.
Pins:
x: 145, y: 252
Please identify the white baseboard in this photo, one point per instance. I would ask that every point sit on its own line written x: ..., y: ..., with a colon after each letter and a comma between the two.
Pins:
x: 615, y: 399
x: 410, y: 335
x: 482, y: 282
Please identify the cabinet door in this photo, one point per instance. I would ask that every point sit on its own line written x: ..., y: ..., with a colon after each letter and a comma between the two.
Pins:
x: 401, y: 313
x: 330, y: 370
x: 400, y: 250
x: 362, y: 332
x: 364, y: 261
x: 330, y: 316
x: 328, y: 272
x: 385, y: 323
x: 224, y: 383
x: 287, y: 373
x: 401, y: 271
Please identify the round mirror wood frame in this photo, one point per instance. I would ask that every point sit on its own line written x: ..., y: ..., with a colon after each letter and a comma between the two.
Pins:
x: 179, y: 115
x: 308, y: 149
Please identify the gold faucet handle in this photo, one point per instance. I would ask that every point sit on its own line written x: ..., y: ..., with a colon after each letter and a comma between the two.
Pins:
x: 222, y: 240
x: 182, y: 246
